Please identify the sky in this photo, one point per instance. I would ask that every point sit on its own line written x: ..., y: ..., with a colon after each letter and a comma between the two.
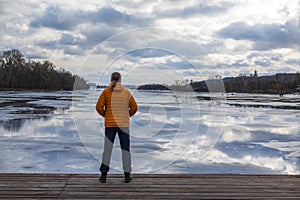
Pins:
x: 157, y: 41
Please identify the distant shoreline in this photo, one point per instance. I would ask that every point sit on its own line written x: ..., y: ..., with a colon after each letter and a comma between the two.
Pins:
x: 26, y: 90
x: 152, y: 87
x: 19, y: 73
x: 33, y: 90
x: 283, y: 83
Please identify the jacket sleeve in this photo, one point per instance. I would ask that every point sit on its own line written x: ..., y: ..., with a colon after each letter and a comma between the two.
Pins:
x: 133, y: 107
x: 100, y: 105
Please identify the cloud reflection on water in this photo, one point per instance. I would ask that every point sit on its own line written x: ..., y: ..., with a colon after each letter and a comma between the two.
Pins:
x: 252, y: 140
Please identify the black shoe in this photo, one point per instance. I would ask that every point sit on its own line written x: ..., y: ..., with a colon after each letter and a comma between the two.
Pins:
x: 128, y: 179
x: 102, y: 179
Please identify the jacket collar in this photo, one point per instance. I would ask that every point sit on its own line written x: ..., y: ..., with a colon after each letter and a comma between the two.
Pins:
x: 118, y: 88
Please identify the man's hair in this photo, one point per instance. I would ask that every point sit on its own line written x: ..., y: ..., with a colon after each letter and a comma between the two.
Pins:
x: 115, y: 78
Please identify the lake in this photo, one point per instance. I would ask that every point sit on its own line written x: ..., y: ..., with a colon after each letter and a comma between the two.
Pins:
x: 172, y: 132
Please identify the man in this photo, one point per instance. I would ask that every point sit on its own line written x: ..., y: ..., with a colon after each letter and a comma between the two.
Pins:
x: 116, y: 104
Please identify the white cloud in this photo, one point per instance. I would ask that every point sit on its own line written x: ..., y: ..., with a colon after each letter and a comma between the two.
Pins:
x: 265, y: 36
x: 236, y: 36
x: 193, y: 8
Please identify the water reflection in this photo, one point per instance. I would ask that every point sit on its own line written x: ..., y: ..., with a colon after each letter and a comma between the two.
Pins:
x: 17, y: 108
x: 13, y: 125
x: 169, y: 134
x: 254, y: 100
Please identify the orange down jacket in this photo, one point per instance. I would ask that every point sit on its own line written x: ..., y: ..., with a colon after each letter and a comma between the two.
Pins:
x: 116, y: 106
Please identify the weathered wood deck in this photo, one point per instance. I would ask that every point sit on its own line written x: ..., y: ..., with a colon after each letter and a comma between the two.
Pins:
x: 150, y: 186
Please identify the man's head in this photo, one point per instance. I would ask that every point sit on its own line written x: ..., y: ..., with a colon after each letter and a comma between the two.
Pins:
x: 116, y: 76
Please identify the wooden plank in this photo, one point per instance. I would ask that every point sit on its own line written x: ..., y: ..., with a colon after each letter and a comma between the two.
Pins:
x: 167, y: 194
x: 196, y: 181
x: 153, y: 186
x: 37, y: 175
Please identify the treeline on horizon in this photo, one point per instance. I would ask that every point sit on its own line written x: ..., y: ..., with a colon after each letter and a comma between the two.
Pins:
x: 17, y: 72
x: 281, y: 83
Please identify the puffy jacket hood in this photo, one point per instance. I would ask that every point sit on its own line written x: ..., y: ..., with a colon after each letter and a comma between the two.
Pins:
x: 118, y: 88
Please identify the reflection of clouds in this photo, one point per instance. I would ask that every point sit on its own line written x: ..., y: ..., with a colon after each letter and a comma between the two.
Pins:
x: 42, y: 156
x: 250, y: 141
x: 287, y: 130
x: 13, y: 125
x: 277, y: 164
x: 291, y: 148
x: 274, y: 163
x: 233, y: 133
x: 243, y: 125
x: 212, y: 121
x: 39, y: 128
x: 22, y: 107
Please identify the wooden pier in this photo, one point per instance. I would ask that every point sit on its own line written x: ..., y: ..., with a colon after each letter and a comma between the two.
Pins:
x: 149, y: 186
